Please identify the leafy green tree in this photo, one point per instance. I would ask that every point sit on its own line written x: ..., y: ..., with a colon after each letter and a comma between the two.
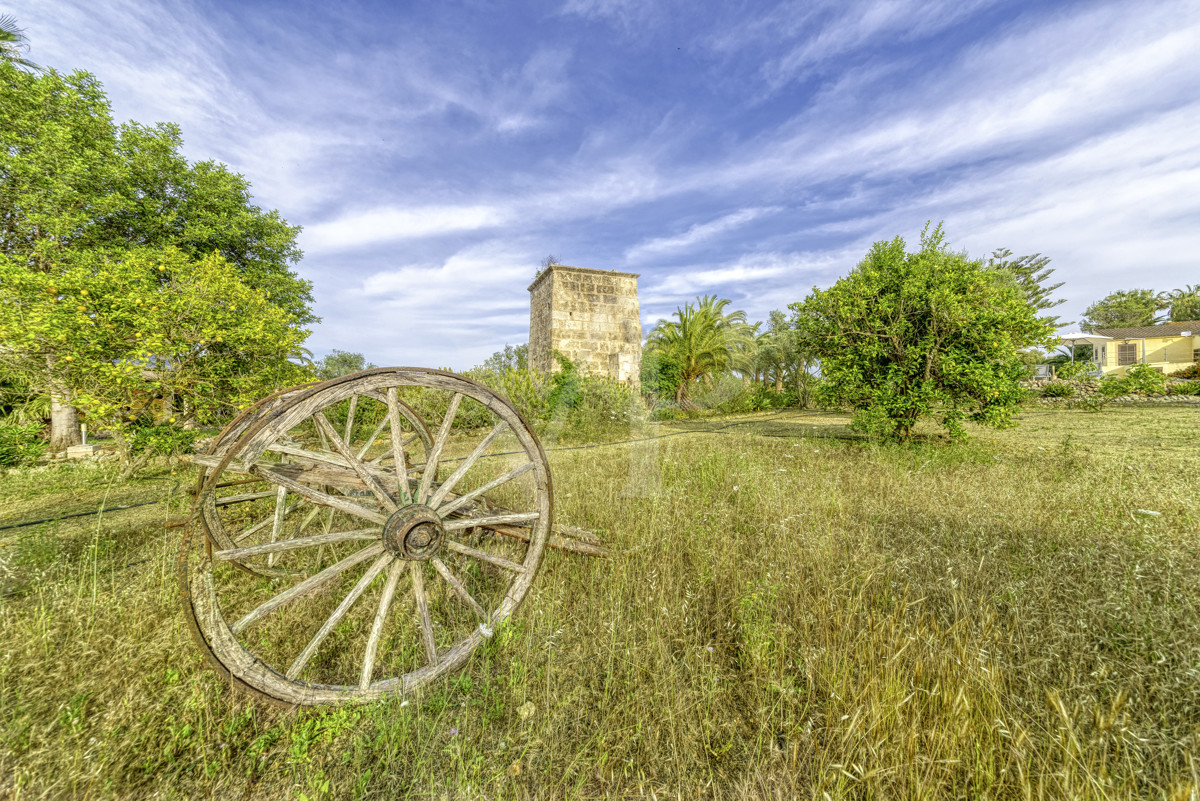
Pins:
x: 513, y: 357
x: 923, y: 334
x: 1185, y: 303
x: 661, y: 373
x: 14, y: 44
x: 786, y: 358
x: 1124, y: 309
x: 76, y: 191
x: 1031, y: 275
x: 150, y: 335
x: 340, y: 362
x: 704, y: 340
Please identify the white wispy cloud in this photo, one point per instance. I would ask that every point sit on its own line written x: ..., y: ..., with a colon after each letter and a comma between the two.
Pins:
x: 753, y: 275
x: 366, y: 228
x: 694, y: 235
x: 454, y: 312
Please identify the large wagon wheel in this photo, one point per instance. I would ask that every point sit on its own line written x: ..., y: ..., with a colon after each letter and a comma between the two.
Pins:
x: 345, y: 552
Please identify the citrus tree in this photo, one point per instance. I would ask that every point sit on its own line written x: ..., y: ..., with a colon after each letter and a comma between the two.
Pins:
x: 83, y: 202
x: 922, y: 334
x: 154, y: 334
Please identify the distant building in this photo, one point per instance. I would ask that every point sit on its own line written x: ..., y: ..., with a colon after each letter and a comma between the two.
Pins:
x: 1166, y: 347
x: 589, y: 316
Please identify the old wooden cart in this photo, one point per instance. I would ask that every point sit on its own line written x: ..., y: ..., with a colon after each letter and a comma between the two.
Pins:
x: 332, y: 514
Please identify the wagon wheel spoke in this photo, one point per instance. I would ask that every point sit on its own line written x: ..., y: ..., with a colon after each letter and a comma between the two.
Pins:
x: 520, y: 517
x: 343, y: 449
x: 337, y: 614
x: 322, y: 498
x: 435, y: 453
x: 349, y: 421
x: 459, y: 589
x: 462, y: 500
x: 467, y: 464
x: 277, y: 523
x: 484, y: 556
x: 385, y: 601
x: 310, y: 584
x: 272, y: 548
x: 422, y: 601
x: 403, y: 484
x: 323, y: 457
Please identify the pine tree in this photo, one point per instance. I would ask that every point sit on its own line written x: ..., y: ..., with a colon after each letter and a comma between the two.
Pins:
x: 1030, y: 274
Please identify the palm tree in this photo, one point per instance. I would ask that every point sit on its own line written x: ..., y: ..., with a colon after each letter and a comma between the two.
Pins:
x: 1184, y: 303
x: 707, y: 342
x: 14, y: 44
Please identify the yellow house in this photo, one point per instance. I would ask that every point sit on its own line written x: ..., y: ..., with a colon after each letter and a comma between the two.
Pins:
x: 1167, y: 347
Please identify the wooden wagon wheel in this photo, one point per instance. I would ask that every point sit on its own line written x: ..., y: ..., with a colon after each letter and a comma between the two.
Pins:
x: 361, y: 556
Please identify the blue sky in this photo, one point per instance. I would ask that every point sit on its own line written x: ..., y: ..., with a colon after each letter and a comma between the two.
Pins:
x: 435, y: 152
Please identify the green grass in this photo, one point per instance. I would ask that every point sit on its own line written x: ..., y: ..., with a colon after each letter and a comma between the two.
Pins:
x: 792, y: 613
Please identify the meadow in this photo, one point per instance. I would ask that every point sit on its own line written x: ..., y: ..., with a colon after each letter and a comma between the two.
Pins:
x: 790, y: 612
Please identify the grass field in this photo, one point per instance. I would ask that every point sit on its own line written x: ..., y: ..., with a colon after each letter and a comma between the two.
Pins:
x: 792, y: 613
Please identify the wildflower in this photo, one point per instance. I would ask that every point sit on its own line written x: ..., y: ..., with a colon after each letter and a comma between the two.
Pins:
x: 453, y: 731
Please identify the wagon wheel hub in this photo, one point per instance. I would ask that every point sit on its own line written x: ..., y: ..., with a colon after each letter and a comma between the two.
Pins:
x: 414, y: 532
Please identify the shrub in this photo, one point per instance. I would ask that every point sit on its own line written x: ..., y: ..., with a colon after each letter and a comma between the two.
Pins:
x: 565, y: 385
x: 758, y: 398
x: 1185, y: 388
x: 908, y: 335
x: 661, y: 373
x: 1073, y: 371
x: 1145, y: 380
x: 20, y: 444
x: 1058, y: 389
x: 1192, y: 371
x: 1111, y: 386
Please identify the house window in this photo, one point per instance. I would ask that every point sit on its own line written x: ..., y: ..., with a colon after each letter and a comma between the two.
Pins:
x: 1196, y: 355
x: 1126, y: 354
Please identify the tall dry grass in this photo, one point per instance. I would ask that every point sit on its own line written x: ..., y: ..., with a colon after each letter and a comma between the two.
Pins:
x: 793, y: 613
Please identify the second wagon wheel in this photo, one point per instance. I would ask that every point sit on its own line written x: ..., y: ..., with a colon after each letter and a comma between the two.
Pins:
x: 342, y: 573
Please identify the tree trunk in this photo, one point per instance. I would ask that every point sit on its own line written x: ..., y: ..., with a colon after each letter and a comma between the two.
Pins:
x: 779, y: 381
x: 64, y: 422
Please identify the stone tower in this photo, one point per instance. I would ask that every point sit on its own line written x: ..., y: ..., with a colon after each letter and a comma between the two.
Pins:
x: 589, y: 316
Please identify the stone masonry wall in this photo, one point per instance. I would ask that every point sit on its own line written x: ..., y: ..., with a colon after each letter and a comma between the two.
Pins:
x: 589, y: 316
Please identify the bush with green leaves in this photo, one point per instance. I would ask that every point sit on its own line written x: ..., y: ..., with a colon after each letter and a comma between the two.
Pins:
x: 1073, y: 371
x: 20, y: 444
x: 661, y: 373
x: 759, y: 398
x: 1145, y: 380
x: 1184, y: 388
x: 929, y: 333
x: 1112, y: 386
x: 1058, y: 389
